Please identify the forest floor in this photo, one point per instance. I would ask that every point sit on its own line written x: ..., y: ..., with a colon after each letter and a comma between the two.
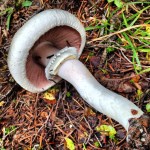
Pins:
x: 117, y: 53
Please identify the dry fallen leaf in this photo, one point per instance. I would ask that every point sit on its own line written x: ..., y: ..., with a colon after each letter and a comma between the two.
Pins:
x: 126, y: 87
x: 89, y: 112
x: 95, y: 61
x: 44, y: 114
x: 2, y: 103
x: 49, y: 98
x: 82, y: 136
x: 136, y: 78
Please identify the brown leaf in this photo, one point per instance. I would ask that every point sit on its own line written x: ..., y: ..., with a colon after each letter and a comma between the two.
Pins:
x: 136, y: 78
x: 144, y: 84
x: 50, y: 101
x: 95, y: 61
x: 145, y: 121
x: 82, y: 136
x: 89, y: 112
x: 126, y: 88
x: 138, y: 86
x: 44, y: 114
x: 121, y: 134
x: 5, y: 32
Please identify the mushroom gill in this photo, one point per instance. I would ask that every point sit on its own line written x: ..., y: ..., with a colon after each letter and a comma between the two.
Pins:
x: 58, y: 37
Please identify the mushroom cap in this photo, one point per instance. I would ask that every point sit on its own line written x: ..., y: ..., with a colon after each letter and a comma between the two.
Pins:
x: 25, y: 71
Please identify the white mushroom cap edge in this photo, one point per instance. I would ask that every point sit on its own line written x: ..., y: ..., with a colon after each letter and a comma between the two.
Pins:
x: 29, y: 33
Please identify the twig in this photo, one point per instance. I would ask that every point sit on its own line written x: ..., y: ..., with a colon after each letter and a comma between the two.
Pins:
x: 44, y: 124
x: 117, y: 32
x: 91, y: 131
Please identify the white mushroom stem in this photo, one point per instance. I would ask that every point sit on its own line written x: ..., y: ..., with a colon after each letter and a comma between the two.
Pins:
x: 100, y: 98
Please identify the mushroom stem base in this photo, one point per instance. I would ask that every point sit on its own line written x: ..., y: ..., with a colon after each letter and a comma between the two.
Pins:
x: 102, y: 99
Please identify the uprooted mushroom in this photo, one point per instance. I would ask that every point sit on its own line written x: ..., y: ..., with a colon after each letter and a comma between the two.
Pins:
x: 47, y: 49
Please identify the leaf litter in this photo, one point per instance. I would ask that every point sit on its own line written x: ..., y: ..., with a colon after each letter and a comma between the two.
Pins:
x: 117, y: 54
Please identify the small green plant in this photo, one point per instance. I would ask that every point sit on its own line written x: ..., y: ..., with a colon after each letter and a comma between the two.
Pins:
x: 118, y: 3
x: 69, y: 143
x: 8, y: 11
x: 135, y: 58
x: 92, y: 28
x: 8, y: 130
x: 2, y: 149
x: 148, y: 107
x: 110, y: 49
x: 23, y: 3
x: 68, y: 94
x: 139, y: 94
x: 26, y: 3
x: 84, y: 147
x: 132, y: 35
x: 108, y: 130
x: 96, y: 144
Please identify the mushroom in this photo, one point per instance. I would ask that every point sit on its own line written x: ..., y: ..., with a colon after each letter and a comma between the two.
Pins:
x: 47, y: 49
x: 39, y: 32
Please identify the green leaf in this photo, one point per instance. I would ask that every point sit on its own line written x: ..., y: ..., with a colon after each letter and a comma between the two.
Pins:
x: 144, y: 50
x: 148, y: 56
x: 125, y: 20
x: 109, y: 1
x: 70, y: 144
x: 107, y: 129
x: 8, y: 21
x: 110, y: 49
x: 96, y: 144
x: 118, y: 3
x: 144, y: 71
x: 84, y: 147
x: 138, y: 15
x: 135, y: 54
x: 92, y: 28
x: 68, y: 94
x: 26, y: 3
x: 9, y: 11
x: 139, y: 94
x: 148, y: 107
x: 9, y: 129
x: 148, y: 30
